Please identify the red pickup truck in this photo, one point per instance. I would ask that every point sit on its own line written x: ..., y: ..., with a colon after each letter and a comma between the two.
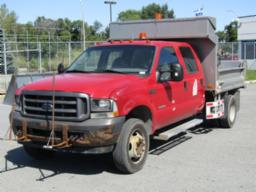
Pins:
x: 117, y: 95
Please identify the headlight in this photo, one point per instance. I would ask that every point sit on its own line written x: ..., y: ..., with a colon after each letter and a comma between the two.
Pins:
x: 103, y: 108
x: 101, y: 105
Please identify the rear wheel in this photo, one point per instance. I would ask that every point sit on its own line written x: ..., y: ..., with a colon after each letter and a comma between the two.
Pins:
x: 38, y: 153
x: 132, y: 147
x: 230, y: 112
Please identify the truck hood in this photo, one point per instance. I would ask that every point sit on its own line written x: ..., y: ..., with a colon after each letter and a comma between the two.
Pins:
x: 97, y: 85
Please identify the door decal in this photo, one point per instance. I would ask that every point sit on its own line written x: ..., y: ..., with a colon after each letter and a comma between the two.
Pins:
x: 195, y: 88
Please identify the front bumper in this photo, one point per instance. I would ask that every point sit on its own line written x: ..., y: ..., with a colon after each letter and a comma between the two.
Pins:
x: 95, y: 135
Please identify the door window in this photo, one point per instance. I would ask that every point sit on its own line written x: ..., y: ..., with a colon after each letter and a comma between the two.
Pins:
x: 189, y: 60
x: 167, y: 57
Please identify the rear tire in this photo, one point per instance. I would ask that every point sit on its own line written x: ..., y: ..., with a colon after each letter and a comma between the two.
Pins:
x: 230, y: 112
x: 131, y: 150
x: 38, y: 153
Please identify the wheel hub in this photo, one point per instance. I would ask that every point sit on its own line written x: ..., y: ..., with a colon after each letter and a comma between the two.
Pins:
x: 137, y: 147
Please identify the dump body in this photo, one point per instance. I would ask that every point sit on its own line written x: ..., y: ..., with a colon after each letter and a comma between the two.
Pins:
x: 199, y: 32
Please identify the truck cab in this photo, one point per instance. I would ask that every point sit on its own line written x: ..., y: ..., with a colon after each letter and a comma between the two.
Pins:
x: 114, y: 98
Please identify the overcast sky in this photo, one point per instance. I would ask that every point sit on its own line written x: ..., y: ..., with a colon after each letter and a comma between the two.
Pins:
x: 224, y: 10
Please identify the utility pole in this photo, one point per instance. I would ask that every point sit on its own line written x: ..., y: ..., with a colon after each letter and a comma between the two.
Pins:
x: 28, y: 65
x: 83, y: 20
x: 110, y: 3
x: 49, y: 49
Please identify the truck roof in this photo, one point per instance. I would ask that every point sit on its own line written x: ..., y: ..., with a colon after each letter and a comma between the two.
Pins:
x: 144, y: 42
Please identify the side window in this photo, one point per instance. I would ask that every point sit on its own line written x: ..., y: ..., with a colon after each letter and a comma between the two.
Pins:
x: 167, y: 56
x: 189, y: 60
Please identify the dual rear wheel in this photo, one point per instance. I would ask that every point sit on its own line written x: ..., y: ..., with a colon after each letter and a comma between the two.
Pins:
x: 231, y: 109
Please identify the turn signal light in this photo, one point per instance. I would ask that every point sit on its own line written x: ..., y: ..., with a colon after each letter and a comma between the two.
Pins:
x: 143, y: 35
x: 211, y: 86
x: 158, y: 16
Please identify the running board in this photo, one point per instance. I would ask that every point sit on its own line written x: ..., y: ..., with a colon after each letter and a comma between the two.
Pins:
x: 179, y: 129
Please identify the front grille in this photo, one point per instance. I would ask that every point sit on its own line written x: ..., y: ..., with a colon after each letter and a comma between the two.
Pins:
x: 68, y: 106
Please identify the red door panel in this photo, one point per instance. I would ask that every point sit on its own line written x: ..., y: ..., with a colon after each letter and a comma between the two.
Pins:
x: 193, y: 81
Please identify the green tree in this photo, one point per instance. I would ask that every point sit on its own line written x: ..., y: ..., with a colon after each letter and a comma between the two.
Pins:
x: 94, y: 32
x: 105, y: 33
x: 7, y: 19
x: 76, y: 30
x: 65, y: 35
x: 221, y: 35
x: 166, y: 12
x: 231, y: 31
x: 63, y: 24
x: 45, y: 23
x: 129, y: 15
x: 229, y: 34
x: 96, y: 26
x: 149, y: 11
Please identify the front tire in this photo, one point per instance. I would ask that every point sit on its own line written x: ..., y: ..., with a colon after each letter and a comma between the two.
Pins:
x: 131, y: 150
x: 230, y: 112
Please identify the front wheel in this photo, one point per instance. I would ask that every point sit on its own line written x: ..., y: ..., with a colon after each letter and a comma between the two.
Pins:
x: 132, y: 147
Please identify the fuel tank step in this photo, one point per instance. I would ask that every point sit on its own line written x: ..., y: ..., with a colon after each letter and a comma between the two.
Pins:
x: 166, y: 135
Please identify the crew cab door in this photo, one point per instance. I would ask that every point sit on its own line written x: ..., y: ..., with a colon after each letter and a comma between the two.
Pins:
x: 193, y: 81
x: 168, y: 97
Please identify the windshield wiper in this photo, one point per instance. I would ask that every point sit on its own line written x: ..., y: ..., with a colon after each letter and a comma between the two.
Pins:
x: 110, y: 71
x: 77, y: 71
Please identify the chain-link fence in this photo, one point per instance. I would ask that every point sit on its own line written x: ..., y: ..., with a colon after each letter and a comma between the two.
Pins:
x: 27, y: 57
x: 238, y: 50
x: 40, y: 55
x: 229, y: 51
x: 35, y: 54
x: 248, y: 50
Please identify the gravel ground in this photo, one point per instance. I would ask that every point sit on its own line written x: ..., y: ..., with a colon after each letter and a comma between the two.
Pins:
x: 211, y: 160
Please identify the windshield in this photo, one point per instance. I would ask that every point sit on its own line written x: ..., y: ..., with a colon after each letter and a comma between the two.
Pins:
x: 115, y: 59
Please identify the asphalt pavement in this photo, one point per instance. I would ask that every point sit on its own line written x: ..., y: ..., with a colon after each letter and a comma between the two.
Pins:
x: 211, y: 159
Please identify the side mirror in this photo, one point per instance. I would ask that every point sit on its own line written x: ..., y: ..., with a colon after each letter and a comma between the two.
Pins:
x: 177, y: 73
x: 164, y: 73
x: 61, y: 68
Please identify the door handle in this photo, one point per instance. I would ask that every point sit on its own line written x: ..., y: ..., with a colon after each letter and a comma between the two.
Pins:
x: 185, y: 85
x: 202, y: 82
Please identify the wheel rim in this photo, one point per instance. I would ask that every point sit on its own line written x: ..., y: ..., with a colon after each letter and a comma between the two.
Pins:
x: 232, y: 113
x: 136, y: 147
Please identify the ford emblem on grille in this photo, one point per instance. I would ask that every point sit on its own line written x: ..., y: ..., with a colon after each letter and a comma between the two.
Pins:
x: 47, y: 106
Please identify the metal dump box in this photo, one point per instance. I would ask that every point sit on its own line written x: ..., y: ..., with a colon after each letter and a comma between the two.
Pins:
x: 220, y: 76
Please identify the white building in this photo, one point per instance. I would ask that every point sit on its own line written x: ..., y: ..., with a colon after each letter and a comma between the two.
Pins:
x: 247, y: 36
